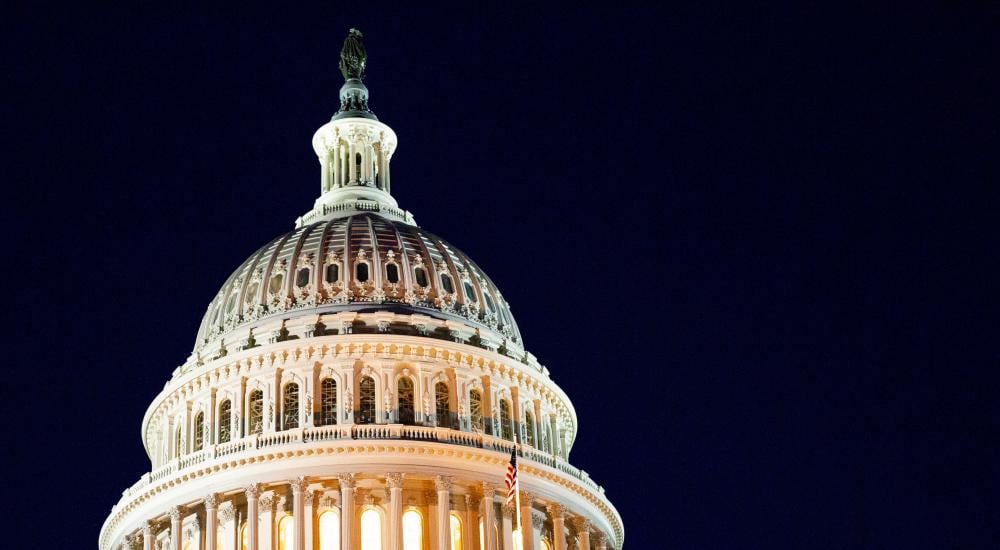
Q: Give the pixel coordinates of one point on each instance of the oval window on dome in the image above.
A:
(302, 277)
(276, 280)
(420, 274)
(446, 283)
(361, 272)
(251, 293)
(231, 304)
(332, 273)
(489, 301)
(392, 273)
(470, 292)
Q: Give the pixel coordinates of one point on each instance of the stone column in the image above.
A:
(395, 483)
(537, 521)
(582, 526)
(508, 528)
(471, 541)
(324, 170)
(230, 534)
(601, 541)
(299, 487)
(308, 511)
(488, 520)
(252, 493)
(443, 486)
(211, 521)
(147, 535)
(266, 520)
(527, 531)
(553, 436)
(558, 514)
(346, 510)
(176, 515)
(352, 173)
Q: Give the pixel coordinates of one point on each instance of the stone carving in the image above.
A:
(556, 510)
(211, 500)
(394, 480)
(252, 491)
(227, 512)
(443, 483)
(175, 513)
(266, 502)
(346, 481)
(299, 484)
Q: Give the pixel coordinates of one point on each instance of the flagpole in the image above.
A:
(517, 502)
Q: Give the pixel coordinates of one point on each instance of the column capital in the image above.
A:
(507, 509)
(556, 510)
(489, 491)
(443, 483)
(252, 491)
(430, 497)
(580, 523)
(394, 480)
(266, 501)
(347, 481)
(227, 511)
(211, 501)
(308, 498)
(147, 528)
(175, 512)
(599, 537)
(527, 498)
(298, 484)
(472, 500)
(537, 521)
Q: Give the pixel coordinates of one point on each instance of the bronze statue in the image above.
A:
(353, 56)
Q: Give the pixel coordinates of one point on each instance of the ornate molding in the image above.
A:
(347, 481)
(298, 484)
(211, 501)
(227, 511)
(580, 524)
(556, 510)
(443, 483)
(175, 513)
(489, 491)
(394, 480)
(252, 491)
(266, 502)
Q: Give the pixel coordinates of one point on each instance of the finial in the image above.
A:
(353, 94)
(353, 56)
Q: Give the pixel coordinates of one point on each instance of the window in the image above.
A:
(529, 428)
(446, 283)
(231, 304)
(470, 292)
(199, 431)
(506, 429)
(361, 271)
(243, 537)
(177, 443)
(290, 407)
(413, 530)
(476, 410)
(251, 293)
(392, 273)
(441, 402)
(366, 401)
(255, 414)
(276, 281)
(302, 277)
(489, 302)
(404, 394)
(328, 407)
(225, 420)
(286, 533)
(420, 274)
(456, 532)
(333, 273)
(371, 530)
(329, 530)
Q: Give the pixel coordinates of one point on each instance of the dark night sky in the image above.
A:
(758, 249)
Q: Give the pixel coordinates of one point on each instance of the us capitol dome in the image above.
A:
(359, 383)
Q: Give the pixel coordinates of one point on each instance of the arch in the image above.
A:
(329, 530)
(405, 400)
(290, 406)
(506, 428)
(455, 528)
(441, 401)
(362, 271)
(529, 428)
(177, 442)
(371, 530)
(199, 431)
(255, 412)
(328, 402)
(476, 410)
(286, 533)
(366, 400)
(225, 421)
(413, 530)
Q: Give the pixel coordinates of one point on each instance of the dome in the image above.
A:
(361, 263)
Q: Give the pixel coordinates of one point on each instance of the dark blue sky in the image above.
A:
(757, 248)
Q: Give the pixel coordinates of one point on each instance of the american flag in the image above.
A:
(511, 478)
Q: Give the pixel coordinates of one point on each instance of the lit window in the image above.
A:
(366, 401)
(290, 407)
(406, 402)
(371, 530)
(361, 272)
(413, 530)
(225, 419)
(328, 413)
(255, 404)
(506, 429)
(332, 273)
(286, 533)
(441, 402)
(251, 293)
(529, 428)
(470, 292)
(276, 283)
(199, 431)
(456, 532)
(243, 537)
(420, 274)
(302, 277)
(446, 283)
(329, 530)
(392, 273)
(476, 410)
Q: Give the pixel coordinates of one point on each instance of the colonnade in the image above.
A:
(224, 521)
(341, 166)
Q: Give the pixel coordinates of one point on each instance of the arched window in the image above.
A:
(366, 401)
(333, 273)
(446, 283)
(243, 537)
(329, 530)
(476, 410)
(286, 533)
(290, 407)
(413, 530)
(404, 394)
(328, 398)
(255, 414)
(506, 429)
(529, 428)
(392, 273)
(177, 442)
(441, 402)
(371, 530)
(489, 302)
(199, 431)
(225, 420)
(420, 274)
(456, 532)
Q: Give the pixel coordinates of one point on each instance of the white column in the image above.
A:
(443, 486)
(211, 521)
(252, 492)
(266, 520)
(527, 537)
(582, 526)
(488, 520)
(395, 483)
(537, 521)
(508, 528)
(601, 541)
(346, 510)
(147, 535)
(352, 172)
(385, 174)
(558, 514)
(470, 536)
(175, 527)
(324, 169)
(308, 507)
(227, 516)
(299, 487)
